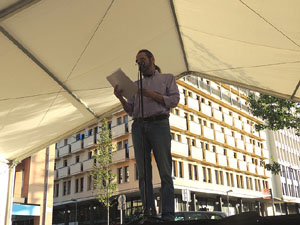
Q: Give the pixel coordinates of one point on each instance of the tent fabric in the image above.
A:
(55, 56)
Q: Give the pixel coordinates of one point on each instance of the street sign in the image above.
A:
(186, 195)
(122, 202)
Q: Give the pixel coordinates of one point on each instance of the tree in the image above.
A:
(277, 114)
(104, 181)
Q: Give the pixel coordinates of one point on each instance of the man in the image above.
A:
(160, 94)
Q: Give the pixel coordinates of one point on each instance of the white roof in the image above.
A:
(55, 56)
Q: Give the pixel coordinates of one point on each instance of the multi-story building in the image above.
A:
(33, 189)
(284, 148)
(216, 155)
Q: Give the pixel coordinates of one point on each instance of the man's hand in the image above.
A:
(152, 94)
(118, 92)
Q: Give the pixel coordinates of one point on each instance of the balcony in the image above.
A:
(88, 165)
(195, 127)
(249, 147)
(210, 157)
(55, 174)
(232, 163)
(222, 159)
(193, 103)
(242, 165)
(76, 168)
(265, 153)
(230, 140)
(63, 172)
(119, 155)
(182, 99)
(220, 137)
(238, 124)
(257, 150)
(63, 151)
(196, 153)
(218, 115)
(131, 152)
(256, 133)
(77, 146)
(240, 144)
(179, 148)
(178, 121)
(251, 168)
(247, 127)
(90, 141)
(228, 119)
(208, 132)
(206, 109)
(260, 170)
(120, 130)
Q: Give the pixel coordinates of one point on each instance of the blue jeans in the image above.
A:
(158, 139)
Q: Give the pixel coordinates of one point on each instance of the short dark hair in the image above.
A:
(149, 55)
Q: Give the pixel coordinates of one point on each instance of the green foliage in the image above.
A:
(274, 167)
(277, 113)
(104, 179)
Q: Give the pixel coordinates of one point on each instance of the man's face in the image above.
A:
(142, 57)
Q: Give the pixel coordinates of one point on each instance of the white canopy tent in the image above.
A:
(55, 56)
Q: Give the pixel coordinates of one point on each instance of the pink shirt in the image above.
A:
(163, 84)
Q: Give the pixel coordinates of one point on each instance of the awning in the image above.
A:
(55, 55)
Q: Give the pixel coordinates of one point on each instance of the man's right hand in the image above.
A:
(118, 92)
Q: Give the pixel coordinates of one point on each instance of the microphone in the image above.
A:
(141, 64)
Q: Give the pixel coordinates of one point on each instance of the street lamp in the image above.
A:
(75, 200)
(228, 200)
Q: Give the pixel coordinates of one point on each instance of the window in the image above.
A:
(56, 192)
(81, 184)
(90, 183)
(119, 120)
(204, 174)
(191, 118)
(231, 180)
(173, 136)
(217, 176)
(209, 175)
(181, 170)
(193, 142)
(64, 188)
(196, 172)
(77, 159)
(178, 137)
(234, 155)
(177, 112)
(69, 187)
(221, 178)
(126, 170)
(190, 172)
(90, 154)
(120, 177)
(174, 168)
(65, 141)
(126, 146)
(119, 145)
(228, 179)
(136, 172)
(76, 185)
(65, 162)
(125, 119)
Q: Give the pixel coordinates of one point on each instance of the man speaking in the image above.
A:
(160, 93)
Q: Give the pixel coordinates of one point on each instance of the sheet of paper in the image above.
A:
(124, 83)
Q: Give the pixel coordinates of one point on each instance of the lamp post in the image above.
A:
(228, 200)
(75, 200)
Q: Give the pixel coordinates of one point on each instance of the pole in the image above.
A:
(273, 206)
(228, 200)
(76, 214)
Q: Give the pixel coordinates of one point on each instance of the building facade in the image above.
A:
(216, 156)
(284, 148)
(33, 189)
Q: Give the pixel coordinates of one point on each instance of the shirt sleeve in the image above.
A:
(172, 96)
(130, 102)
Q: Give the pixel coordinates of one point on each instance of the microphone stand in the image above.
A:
(148, 214)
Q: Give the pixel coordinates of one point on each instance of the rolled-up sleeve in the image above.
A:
(172, 96)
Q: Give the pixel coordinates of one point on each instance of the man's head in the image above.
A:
(146, 61)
